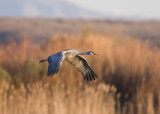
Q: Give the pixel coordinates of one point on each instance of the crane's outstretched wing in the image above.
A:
(81, 64)
(55, 62)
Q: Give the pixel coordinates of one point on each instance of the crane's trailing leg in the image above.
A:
(43, 60)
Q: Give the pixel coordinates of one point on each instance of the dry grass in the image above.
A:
(47, 99)
(132, 67)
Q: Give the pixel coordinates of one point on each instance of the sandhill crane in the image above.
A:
(73, 57)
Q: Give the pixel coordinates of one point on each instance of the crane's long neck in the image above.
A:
(88, 53)
(85, 53)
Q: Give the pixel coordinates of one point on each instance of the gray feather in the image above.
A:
(82, 65)
(55, 62)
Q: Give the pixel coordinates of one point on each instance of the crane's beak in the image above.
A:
(95, 54)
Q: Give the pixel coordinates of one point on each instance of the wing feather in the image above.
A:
(82, 65)
(55, 62)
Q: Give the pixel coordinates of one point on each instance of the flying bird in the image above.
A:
(74, 58)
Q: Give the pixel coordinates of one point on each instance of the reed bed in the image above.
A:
(127, 68)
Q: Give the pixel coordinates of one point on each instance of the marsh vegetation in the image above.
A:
(127, 68)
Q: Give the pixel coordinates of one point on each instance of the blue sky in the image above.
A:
(140, 8)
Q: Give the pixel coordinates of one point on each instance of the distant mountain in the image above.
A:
(45, 8)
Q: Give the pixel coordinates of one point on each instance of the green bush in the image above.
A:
(29, 72)
(4, 76)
